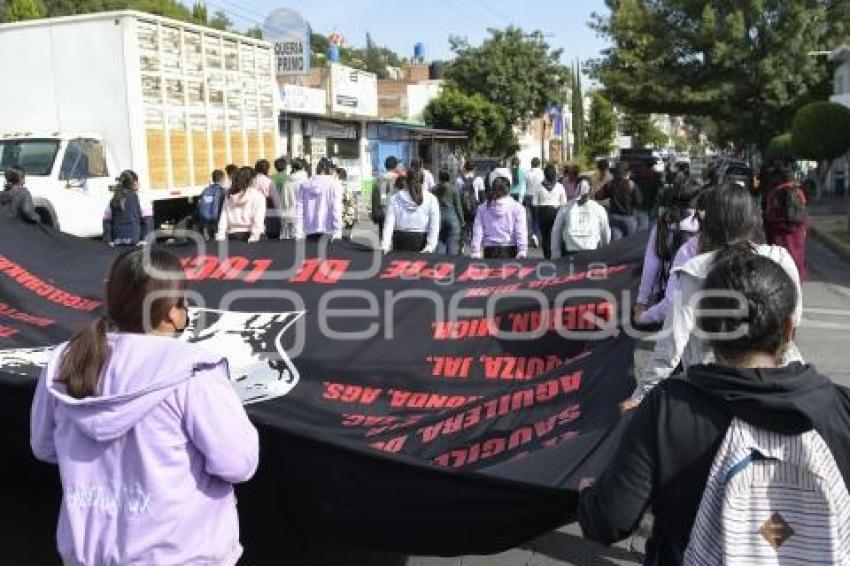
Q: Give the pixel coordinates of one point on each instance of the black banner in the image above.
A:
(410, 403)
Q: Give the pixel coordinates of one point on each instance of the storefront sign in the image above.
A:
(353, 92)
(326, 129)
(291, 36)
(303, 99)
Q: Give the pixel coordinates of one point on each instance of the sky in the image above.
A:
(400, 24)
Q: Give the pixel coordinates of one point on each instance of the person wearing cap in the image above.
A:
(581, 224)
(500, 230)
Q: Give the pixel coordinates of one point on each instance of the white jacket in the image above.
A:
(405, 215)
(677, 343)
(556, 197)
(580, 227)
(533, 180)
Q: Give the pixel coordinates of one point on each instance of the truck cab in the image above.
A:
(69, 176)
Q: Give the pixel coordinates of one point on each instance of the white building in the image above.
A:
(839, 171)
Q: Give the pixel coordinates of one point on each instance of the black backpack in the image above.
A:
(468, 199)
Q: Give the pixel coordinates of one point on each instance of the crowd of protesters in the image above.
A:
(724, 400)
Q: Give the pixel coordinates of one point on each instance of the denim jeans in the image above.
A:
(622, 226)
(449, 233)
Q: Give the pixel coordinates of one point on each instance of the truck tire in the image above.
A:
(46, 213)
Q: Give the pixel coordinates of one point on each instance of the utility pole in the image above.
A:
(543, 139)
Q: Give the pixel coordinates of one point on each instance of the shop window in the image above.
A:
(343, 149)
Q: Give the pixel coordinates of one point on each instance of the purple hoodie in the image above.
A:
(147, 466)
(649, 281)
(318, 207)
(501, 223)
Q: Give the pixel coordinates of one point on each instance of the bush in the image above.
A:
(780, 147)
(821, 131)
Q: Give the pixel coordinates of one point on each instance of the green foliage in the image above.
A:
(219, 20)
(681, 144)
(256, 32)
(25, 10)
(821, 131)
(601, 127)
(577, 109)
(199, 13)
(165, 8)
(780, 147)
(371, 58)
(512, 69)
(644, 132)
(744, 64)
(488, 127)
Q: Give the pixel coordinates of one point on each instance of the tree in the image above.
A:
(601, 127)
(821, 131)
(25, 10)
(780, 147)
(166, 8)
(219, 20)
(577, 109)
(374, 59)
(199, 13)
(512, 69)
(487, 125)
(256, 32)
(644, 132)
(744, 63)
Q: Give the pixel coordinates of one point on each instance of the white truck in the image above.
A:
(85, 97)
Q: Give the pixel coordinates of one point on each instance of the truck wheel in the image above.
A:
(47, 216)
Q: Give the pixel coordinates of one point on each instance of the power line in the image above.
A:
(230, 12)
(244, 9)
(498, 13)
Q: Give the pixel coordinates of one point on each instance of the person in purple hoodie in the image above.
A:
(318, 204)
(500, 230)
(147, 431)
(668, 247)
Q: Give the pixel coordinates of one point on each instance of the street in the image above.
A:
(823, 336)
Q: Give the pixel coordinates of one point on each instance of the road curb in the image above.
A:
(835, 244)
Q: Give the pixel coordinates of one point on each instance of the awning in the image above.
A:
(422, 132)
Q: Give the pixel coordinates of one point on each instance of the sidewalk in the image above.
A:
(829, 218)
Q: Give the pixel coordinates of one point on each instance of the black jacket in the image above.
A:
(625, 197)
(127, 223)
(449, 199)
(17, 203)
(666, 451)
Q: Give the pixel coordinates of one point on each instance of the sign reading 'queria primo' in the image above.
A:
(291, 36)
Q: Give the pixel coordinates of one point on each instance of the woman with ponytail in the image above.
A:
(412, 223)
(147, 431)
(128, 218)
(677, 224)
(731, 220)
